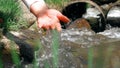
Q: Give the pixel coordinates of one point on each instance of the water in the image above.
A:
(76, 43)
(73, 48)
(76, 46)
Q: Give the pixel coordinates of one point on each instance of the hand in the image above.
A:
(51, 20)
(47, 18)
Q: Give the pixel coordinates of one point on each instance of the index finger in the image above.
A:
(63, 18)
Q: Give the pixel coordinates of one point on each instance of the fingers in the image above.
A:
(59, 15)
(58, 27)
(44, 22)
(49, 24)
(55, 25)
(63, 18)
(51, 20)
(52, 26)
(44, 26)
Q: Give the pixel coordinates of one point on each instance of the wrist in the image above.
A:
(28, 3)
(38, 8)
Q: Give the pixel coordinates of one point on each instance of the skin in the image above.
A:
(47, 18)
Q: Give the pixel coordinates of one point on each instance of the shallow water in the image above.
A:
(75, 48)
(77, 45)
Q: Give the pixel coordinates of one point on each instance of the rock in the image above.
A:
(27, 15)
(80, 23)
(93, 14)
(7, 46)
(23, 42)
(113, 16)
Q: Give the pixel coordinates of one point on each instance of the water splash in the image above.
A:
(111, 33)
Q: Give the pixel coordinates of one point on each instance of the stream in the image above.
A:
(77, 45)
(81, 47)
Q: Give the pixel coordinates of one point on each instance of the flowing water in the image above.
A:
(76, 46)
(79, 48)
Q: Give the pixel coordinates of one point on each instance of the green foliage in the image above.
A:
(55, 47)
(15, 56)
(90, 58)
(58, 3)
(1, 63)
(38, 48)
(10, 13)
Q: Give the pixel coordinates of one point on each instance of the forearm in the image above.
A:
(37, 7)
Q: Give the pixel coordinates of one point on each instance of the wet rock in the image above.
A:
(113, 16)
(27, 15)
(7, 46)
(79, 23)
(24, 42)
(93, 14)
